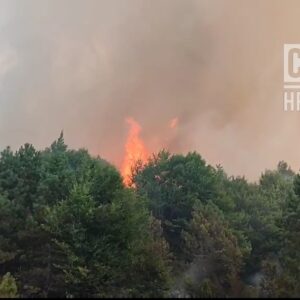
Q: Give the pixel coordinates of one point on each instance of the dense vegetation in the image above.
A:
(70, 228)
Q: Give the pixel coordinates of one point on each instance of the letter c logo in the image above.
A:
(294, 62)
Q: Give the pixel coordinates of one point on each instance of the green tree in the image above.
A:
(107, 248)
(173, 184)
(57, 176)
(287, 281)
(8, 287)
(20, 175)
(214, 255)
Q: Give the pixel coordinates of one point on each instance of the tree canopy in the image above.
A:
(70, 228)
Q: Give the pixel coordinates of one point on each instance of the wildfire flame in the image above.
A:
(135, 150)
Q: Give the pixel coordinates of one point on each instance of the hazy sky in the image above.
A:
(84, 66)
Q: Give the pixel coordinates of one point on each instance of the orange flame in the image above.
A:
(135, 150)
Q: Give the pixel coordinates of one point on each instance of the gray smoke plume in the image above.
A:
(84, 66)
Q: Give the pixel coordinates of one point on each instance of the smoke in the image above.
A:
(215, 66)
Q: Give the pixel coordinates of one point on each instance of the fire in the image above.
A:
(135, 150)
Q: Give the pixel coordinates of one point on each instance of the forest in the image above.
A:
(70, 228)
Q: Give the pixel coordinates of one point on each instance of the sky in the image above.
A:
(84, 66)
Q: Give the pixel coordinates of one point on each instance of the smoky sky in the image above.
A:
(83, 66)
